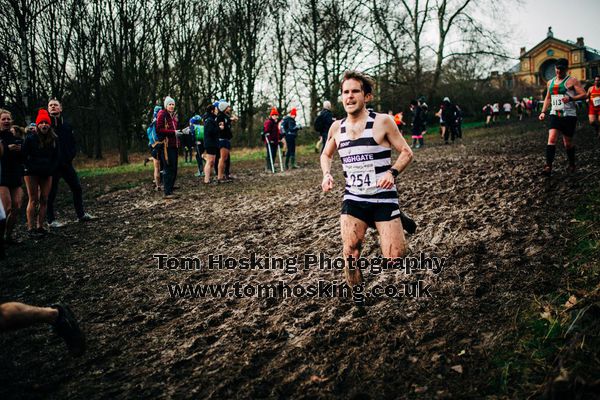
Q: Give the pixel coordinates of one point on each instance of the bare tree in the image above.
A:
(245, 22)
(127, 55)
(472, 36)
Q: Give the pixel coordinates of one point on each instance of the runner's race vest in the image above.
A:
(557, 92)
(364, 162)
(595, 97)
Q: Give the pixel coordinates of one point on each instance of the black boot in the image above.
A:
(571, 157)
(2, 233)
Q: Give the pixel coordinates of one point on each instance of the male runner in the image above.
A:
(562, 92)
(593, 94)
(364, 140)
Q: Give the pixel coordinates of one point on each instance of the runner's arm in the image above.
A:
(546, 103)
(327, 158)
(398, 142)
(579, 91)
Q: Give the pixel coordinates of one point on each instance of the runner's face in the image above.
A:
(597, 81)
(54, 107)
(5, 121)
(353, 96)
(560, 72)
(171, 107)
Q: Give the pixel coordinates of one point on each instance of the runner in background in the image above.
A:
(593, 95)
(561, 94)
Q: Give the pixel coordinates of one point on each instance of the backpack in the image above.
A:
(151, 133)
(199, 132)
(320, 122)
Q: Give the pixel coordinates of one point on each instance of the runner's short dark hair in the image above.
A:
(366, 82)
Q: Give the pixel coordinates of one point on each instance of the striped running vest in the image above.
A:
(595, 97)
(364, 163)
(557, 92)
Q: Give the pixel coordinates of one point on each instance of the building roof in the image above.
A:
(548, 39)
(591, 54)
(514, 69)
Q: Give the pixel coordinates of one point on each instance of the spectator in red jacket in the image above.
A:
(271, 137)
(166, 127)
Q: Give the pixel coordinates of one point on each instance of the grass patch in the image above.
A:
(559, 334)
(108, 166)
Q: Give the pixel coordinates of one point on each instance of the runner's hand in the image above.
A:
(387, 181)
(542, 116)
(327, 183)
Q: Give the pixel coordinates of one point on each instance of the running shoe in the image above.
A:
(547, 171)
(41, 232)
(87, 217)
(170, 196)
(67, 328)
(33, 234)
(55, 224)
(12, 241)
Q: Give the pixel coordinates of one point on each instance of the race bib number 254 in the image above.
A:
(362, 177)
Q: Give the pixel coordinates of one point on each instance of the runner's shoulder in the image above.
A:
(335, 126)
(384, 119)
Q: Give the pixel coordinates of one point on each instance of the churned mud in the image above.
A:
(481, 205)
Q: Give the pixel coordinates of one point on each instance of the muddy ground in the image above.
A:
(480, 204)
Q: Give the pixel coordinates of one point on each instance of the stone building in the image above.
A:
(536, 65)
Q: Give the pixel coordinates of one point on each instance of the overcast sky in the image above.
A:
(569, 20)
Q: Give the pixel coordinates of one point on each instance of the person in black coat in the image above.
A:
(211, 140)
(65, 169)
(11, 173)
(41, 155)
(323, 122)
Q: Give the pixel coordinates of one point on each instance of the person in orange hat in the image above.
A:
(40, 152)
(272, 137)
(290, 128)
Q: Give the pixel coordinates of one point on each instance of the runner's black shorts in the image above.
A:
(371, 212)
(225, 144)
(212, 151)
(566, 125)
(154, 151)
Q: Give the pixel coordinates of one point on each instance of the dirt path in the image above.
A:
(481, 205)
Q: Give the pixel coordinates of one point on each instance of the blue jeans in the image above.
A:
(323, 140)
(291, 149)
